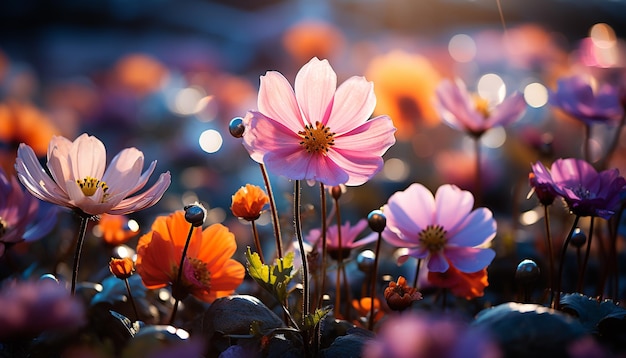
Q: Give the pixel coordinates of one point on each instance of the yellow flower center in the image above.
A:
(201, 273)
(433, 237)
(89, 185)
(482, 106)
(317, 139)
(4, 226)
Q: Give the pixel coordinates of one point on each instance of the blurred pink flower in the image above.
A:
(441, 228)
(79, 180)
(475, 115)
(18, 213)
(319, 132)
(579, 98)
(29, 308)
(349, 235)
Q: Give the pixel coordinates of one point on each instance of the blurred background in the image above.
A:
(167, 77)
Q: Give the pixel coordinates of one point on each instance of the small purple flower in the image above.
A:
(577, 97)
(541, 183)
(587, 192)
(475, 115)
(349, 235)
(18, 213)
(29, 308)
(443, 230)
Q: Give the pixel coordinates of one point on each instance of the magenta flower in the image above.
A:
(441, 228)
(475, 115)
(586, 192)
(349, 235)
(541, 184)
(17, 211)
(577, 97)
(318, 132)
(79, 180)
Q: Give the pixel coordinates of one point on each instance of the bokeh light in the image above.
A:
(462, 48)
(492, 88)
(210, 141)
(536, 95)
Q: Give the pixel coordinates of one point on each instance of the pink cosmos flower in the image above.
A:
(577, 97)
(17, 211)
(475, 115)
(318, 132)
(349, 235)
(586, 191)
(79, 180)
(441, 228)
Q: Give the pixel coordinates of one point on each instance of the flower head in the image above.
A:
(115, 229)
(79, 180)
(400, 296)
(122, 268)
(541, 184)
(349, 235)
(318, 132)
(586, 191)
(248, 202)
(443, 230)
(475, 115)
(209, 271)
(18, 212)
(461, 284)
(578, 97)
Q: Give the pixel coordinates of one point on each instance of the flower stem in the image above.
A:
(82, 230)
(257, 243)
(130, 298)
(586, 139)
(557, 299)
(546, 217)
(305, 264)
(478, 175)
(417, 273)
(176, 289)
(275, 219)
(373, 282)
(583, 268)
(339, 262)
(324, 244)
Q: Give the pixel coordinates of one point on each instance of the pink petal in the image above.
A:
(265, 135)
(358, 166)
(469, 259)
(145, 199)
(353, 105)
(452, 206)
(478, 228)
(373, 137)
(87, 157)
(457, 108)
(411, 210)
(507, 112)
(321, 168)
(124, 172)
(395, 238)
(277, 101)
(437, 262)
(315, 86)
(59, 162)
(35, 179)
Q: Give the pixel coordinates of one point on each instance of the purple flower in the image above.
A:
(349, 235)
(29, 308)
(577, 97)
(441, 228)
(586, 192)
(475, 115)
(541, 183)
(18, 211)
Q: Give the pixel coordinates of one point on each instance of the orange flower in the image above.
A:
(405, 88)
(248, 202)
(400, 296)
(461, 284)
(209, 271)
(363, 307)
(140, 73)
(122, 268)
(312, 38)
(115, 230)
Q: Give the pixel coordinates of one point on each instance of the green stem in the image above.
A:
(417, 273)
(305, 264)
(339, 262)
(176, 289)
(373, 283)
(478, 175)
(275, 219)
(82, 230)
(324, 244)
(583, 268)
(130, 298)
(557, 299)
(257, 243)
(546, 216)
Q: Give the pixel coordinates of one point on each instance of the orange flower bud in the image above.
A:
(122, 268)
(248, 202)
(400, 296)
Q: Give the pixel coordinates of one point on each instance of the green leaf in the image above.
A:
(311, 320)
(273, 278)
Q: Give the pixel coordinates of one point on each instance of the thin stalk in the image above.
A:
(546, 217)
(257, 242)
(82, 230)
(339, 262)
(373, 283)
(324, 244)
(275, 219)
(587, 138)
(583, 268)
(130, 298)
(478, 175)
(305, 264)
(417, 273)
(557, 299)
(176, 287)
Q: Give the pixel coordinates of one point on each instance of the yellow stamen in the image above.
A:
(90, 185)
(482, 106)
(433, 237)
(317, 139)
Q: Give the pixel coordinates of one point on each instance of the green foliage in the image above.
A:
(311, 320)
(273, 278)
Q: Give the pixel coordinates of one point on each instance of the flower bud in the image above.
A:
(122, 268)
(400, 296)
(236, 127)
(195, 214)
(377, 221)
